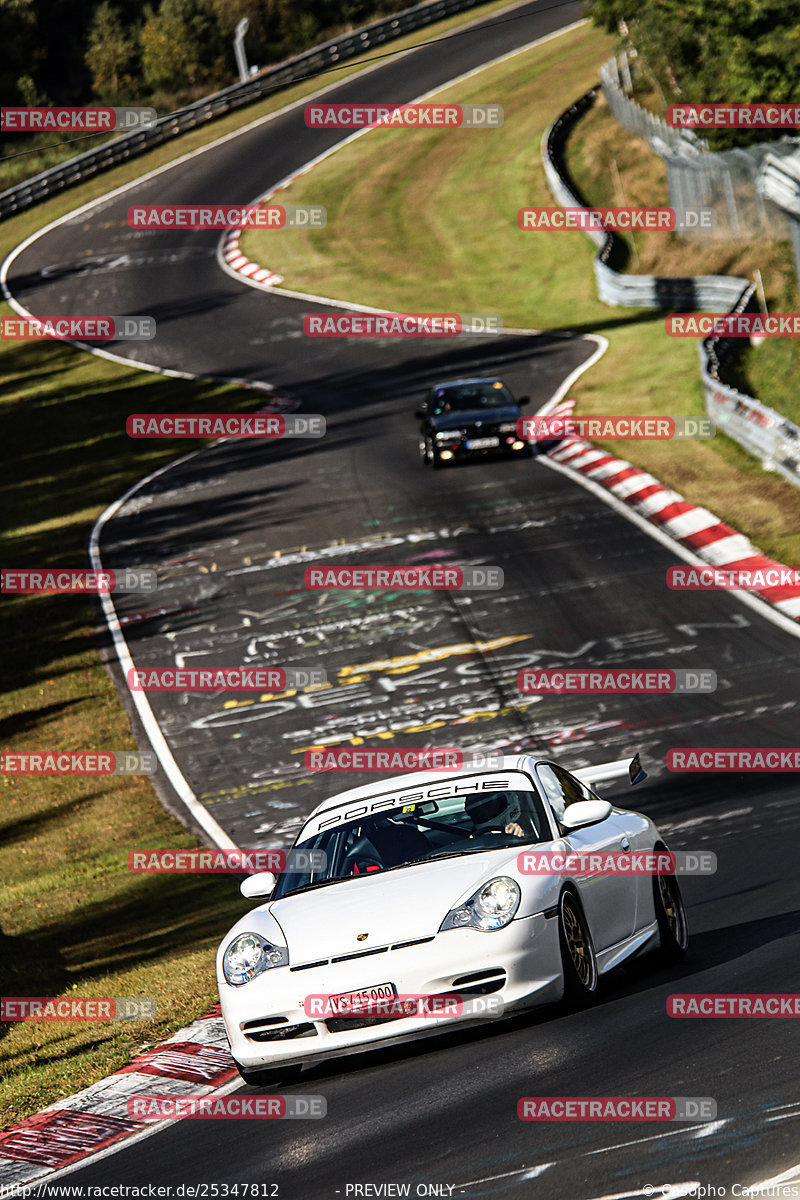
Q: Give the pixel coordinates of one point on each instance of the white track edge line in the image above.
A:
(140, 700)
(762, 607)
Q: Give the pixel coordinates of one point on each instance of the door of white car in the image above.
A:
(609, 901)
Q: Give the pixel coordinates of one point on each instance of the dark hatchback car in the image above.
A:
(470, 418)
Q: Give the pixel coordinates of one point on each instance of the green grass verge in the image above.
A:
(426, 221)
(770, 371)
(73, 920)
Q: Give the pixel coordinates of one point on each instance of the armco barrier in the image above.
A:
(676, 293)
(760, 430)
(304, 66)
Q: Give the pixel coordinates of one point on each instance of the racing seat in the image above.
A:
(362, 857)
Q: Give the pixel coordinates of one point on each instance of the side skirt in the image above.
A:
(614, 955)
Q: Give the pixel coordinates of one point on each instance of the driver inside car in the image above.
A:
(497, 813)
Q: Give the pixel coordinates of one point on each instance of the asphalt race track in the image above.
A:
(230, 532)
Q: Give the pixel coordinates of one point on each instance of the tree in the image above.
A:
(19, 41)
(111, 56)
(612, 15)
(714, 51)
(183, 45)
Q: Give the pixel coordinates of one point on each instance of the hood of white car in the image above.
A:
(389, 907)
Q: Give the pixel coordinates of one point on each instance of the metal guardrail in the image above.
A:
(762, 431)
(304, 66)
(677, 293)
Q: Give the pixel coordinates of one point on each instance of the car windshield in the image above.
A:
(490, 820)
(467, 397)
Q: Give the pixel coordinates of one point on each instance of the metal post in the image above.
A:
(238, 49)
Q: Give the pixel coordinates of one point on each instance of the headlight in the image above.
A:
(492, 907)
(508, 427)
(248, 955)
(449, 434)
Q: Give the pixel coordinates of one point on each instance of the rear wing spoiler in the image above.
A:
(606, 772)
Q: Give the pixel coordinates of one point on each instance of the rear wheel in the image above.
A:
(671, 916)
(578, 960)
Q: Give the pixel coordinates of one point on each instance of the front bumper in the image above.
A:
(520, 965)
(460, 451)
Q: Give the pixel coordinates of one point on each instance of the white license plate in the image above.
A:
(482, 443)
(348, 1003)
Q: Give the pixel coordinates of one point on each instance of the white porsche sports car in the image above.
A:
(421, 894)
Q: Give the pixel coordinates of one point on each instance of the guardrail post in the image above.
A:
(238, 49)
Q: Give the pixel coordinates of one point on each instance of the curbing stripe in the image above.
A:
(603, 468)
(691, 520)
(699, 530)
(655, 502)
(193, 1061)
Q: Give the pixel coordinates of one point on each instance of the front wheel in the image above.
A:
(673, 927)
(578, 961)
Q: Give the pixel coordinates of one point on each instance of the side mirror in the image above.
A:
(523, 400)
(585, 812)
(421, 413)
(262, 884)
